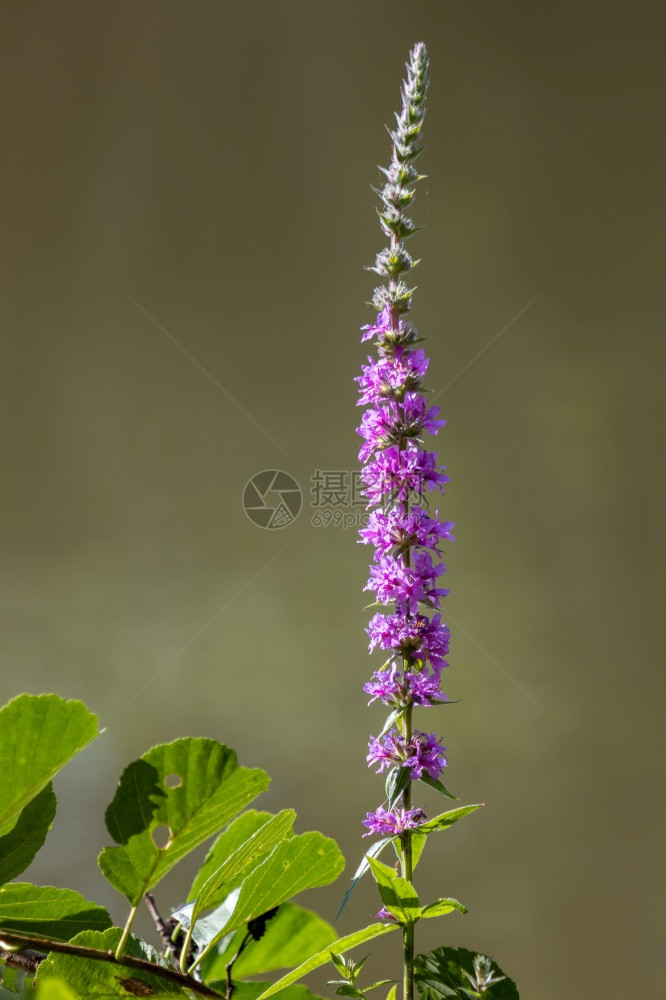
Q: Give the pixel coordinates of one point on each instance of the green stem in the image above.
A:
(126, 932)
(407, 872)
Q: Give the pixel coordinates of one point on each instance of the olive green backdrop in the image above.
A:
(186, 210)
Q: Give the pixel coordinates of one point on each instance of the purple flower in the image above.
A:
(379, 328)
(397, 474)
(389, 823)
(401, 530)
(385, 914)
(421, 752)
(401, 689)
(390, 580)
(392, 376)
(416, 637)
(396, 423)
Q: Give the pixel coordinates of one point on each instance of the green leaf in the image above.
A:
(19, 847)
(194, 787)
(296, 864)
(89, 978)
(374, 852)
(392, 993)
(447, 819)
(236, 834)
(396, 781)
(398, 895)
(39, 734)
(291, 936)
(418, 843)
(48, 912)
(451, 973)
(250, 991)
(438, 786)
(340, 946)
(442, 907)
(251, 853)
(56, 989)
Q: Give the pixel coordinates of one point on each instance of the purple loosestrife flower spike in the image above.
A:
(399, 476)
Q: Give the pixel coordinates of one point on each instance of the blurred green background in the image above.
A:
(198, 174)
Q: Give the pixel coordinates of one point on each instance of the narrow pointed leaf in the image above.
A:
(250, 991)
(374, 852)
(418, 843)
(19, 847)
(46, 911)
(447, 819)
(340, 946)
(39, 734)
(438, 786)
(396, 781)
(88, 978)
(442, 907)
(193, 787)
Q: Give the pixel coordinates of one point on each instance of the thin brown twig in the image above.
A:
(162, 928)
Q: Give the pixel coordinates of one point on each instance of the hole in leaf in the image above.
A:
(173, 781)
(161, 837)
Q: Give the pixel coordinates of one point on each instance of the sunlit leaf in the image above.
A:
(339, 947)
(247, 855)
(48, 912)
(299, 863)
(447, 819)
(250, 991)
(236, 834)
(442, 907)
(19, 847)
(192, 788)
(438, 786)
(38, 735)
(291, 936)
(397, 894)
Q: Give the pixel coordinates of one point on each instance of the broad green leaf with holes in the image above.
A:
(338, 947)
(291, 936)
(90, 978)
(39, 734)
(168, 802)
(19, 847)
(298, 863)
(46, 911)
